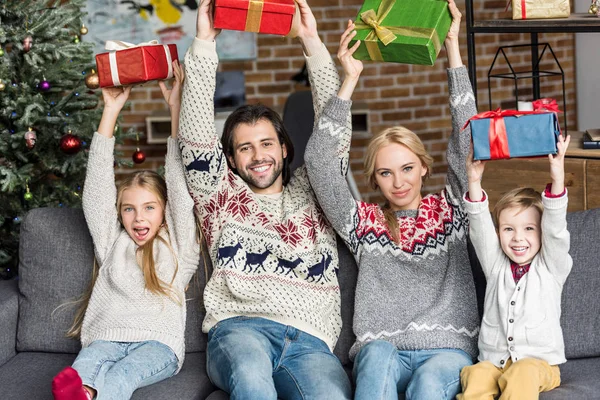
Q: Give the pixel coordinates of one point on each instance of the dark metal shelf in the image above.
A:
(579, 22)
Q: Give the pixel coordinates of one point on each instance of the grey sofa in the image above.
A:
(55, 264)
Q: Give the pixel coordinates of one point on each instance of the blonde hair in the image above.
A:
(407, 138)
(521, 198)
(154, 183)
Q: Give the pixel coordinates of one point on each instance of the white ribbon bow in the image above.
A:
(115, 45)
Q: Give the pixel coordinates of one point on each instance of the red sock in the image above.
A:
(67, 385)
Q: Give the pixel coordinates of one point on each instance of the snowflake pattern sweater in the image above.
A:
(420, 293)
(274, 257)
(121, 309)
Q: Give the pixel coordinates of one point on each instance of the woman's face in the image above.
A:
(399, 175)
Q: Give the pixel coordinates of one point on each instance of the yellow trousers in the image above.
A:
(522, 380)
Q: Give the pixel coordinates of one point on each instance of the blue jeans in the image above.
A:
(381, 371)
(255, 358)
(117, 369)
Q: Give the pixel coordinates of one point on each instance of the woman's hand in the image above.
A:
(173, 96)
(205, 29)
(451, 42)
(352, 67)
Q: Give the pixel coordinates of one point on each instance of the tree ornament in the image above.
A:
(138, 157)
(44, 85)
(28, 195)
(27, 43)
(70, 144)
(30, 138)
(92, 81)
(76, 39)
(1, 51)
(2, 86)
(83, 30)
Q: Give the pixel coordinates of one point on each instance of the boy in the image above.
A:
(526, 265)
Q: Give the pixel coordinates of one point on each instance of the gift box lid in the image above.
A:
(270, 6)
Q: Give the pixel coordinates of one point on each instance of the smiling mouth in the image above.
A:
(400, 194)
(519, 250)
(260, 169)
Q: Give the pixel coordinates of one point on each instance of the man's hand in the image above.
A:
(204, 22)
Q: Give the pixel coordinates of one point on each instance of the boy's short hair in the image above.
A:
(522, 198)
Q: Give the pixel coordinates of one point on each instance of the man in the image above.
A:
(273, 300)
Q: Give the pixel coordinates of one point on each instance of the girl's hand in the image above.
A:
(352, 67)
(173, 96)
(557, 165)
(475, 168)
(115, 97)
(455, 26)
(205, 29)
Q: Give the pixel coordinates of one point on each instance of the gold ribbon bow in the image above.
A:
(255, 10)
(387, 34)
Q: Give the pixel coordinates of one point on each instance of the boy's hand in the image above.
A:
(557, 165)
(204, 22)
(475, 168)
(352, 67)
(173, 96)
(305, 28)
(451, 42)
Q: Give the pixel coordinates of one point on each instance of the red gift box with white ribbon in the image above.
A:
(129, 64)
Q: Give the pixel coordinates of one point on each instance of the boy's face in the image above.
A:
(520, 233)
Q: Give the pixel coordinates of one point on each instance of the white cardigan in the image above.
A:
(522, 319)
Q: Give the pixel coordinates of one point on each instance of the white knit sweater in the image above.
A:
(522, 320)
(121, 309)
(274, 258)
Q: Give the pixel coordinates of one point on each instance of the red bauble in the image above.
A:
(138, 157)
(70, 144)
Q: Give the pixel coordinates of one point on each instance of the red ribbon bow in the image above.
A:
(497, 132)
(546, 104)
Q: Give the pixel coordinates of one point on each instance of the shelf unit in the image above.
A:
(575, 23)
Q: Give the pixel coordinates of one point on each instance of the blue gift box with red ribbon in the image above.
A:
(503, 134)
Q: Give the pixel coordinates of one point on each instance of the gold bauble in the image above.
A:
(92, 81)
(2, 86)
(594, 9)
(83, 30)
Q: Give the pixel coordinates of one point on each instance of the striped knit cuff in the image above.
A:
(555, 203)
(476, 207)
(102, 145)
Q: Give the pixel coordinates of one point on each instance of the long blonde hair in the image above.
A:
(154, 183)
(407, 138)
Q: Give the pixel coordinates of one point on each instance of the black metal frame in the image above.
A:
(577, 22)
(535, 73)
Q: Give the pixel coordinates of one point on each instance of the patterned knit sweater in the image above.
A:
(273, 256)
(419, 294)
(121, 309)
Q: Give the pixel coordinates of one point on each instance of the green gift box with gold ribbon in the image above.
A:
(402, 31)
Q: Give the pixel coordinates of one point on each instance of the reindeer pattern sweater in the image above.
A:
(418, 294)
(121, 309)
(273, 257)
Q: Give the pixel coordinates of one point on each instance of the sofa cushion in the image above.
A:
(29, 376)
(580, 319)
(55, 265)
(580, 380)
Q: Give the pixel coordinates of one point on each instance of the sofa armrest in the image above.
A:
(9, 313)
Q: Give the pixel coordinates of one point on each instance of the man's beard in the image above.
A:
(265, 183)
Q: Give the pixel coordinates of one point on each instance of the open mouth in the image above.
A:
(141, 233)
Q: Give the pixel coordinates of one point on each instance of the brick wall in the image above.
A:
(409, 95)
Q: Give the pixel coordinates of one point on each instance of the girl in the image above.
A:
(132, 334)
(415, 310)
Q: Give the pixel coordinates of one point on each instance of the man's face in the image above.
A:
(258, 156)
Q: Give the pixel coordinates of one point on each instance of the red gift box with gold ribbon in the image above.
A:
(503, 134)
(130, 64)
(263, 16)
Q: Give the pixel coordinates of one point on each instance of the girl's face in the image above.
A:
(142, 214)
(399, 175)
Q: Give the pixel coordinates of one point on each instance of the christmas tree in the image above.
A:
(47, 113)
